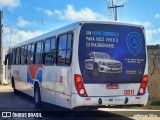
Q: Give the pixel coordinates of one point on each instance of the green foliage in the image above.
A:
(155, 103)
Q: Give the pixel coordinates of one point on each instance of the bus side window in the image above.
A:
(53, 50)
(18, 51)
(47, 59)
(38, 53)
(23, 55)
(49, 52)
(19, 55)
(10, 57)
(14, 56)
(61, 53)
(32, 53)
(69, 49)
(29, 54)
(64, 49)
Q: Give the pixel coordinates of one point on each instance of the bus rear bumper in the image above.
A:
(110, 100)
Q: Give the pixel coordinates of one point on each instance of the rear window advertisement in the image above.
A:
(111, 53)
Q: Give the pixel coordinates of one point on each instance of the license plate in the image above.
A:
(113, 86)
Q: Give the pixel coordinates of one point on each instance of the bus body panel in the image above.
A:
(63, 100)
(15, 72)
(23, 85)
(48, 95)
(63, 80)
(19, 74)
(112, 90)
(22, 73)
(49, 82)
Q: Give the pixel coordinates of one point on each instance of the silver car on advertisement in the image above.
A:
(99, 62)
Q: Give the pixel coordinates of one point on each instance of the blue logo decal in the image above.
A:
(134, 43)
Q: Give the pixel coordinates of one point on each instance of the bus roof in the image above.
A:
(67, 28)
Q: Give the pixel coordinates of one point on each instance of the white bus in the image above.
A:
(83, 64)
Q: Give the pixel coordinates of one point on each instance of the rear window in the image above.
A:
(119, 54)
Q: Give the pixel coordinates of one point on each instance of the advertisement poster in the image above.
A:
(110, 53)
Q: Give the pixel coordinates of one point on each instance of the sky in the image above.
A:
(25, 19)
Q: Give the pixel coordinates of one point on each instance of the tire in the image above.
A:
(95, 70)
(37, 96)
(13, 86)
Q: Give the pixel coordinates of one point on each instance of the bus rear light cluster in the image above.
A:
(79, 85)
(143, 85)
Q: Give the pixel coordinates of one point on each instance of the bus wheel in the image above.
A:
(13, 86)
(95, 70)
(37, 96)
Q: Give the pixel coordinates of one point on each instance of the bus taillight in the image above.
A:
(80, 85)
(143, 85)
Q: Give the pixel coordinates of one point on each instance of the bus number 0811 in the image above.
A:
(128, 92)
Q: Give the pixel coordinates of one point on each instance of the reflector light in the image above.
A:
(141, 90)
(81, 91)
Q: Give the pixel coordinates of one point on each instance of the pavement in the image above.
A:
(5, 88)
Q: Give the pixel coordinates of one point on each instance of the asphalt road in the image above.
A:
(21, 104)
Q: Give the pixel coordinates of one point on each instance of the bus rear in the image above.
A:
(110, 65)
